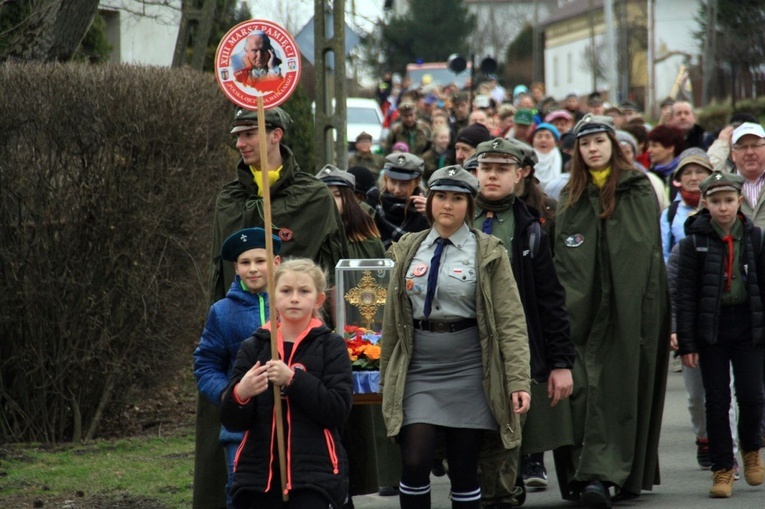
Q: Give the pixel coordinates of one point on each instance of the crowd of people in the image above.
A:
(549, 261)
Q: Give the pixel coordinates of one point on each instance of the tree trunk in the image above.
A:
(54, 30)
(733, 85)
(710, 50)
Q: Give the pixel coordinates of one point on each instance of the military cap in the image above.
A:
(363, 136)
(524, 116)
(459, 97)
(529, 156)
(244, 119)
(403, 166)
(244, 240)
(591, 124)
(499, 150)
(453, 178)
(471, 163)
(719, 181)
(629, 106)
(406, 107)
(334, 176)
(693, 155)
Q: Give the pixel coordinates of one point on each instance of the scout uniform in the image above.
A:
(369, 160)
(449, 358)
(397, 216)
(305, 218)
(417, 137)
(719, 309)
(543, 300)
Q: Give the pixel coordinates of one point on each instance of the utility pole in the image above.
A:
(593, 55)
(650, 93)
(329, 55)
(535, 46)
(710, 50)
(611, 74)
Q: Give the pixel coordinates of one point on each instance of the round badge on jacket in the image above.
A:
(575, 240)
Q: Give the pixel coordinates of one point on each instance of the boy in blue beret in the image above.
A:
(232, 320)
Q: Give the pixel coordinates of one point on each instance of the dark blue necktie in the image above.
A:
(487, 223)
(435, 262)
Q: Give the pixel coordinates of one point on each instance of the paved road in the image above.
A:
(684, 484)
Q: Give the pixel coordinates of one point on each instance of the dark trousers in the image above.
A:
(734, 347)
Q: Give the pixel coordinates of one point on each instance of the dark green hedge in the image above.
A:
(108, 178)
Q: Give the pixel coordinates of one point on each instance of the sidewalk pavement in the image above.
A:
(683, 483)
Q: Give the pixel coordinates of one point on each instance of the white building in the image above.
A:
(578, 25)
(141, 33)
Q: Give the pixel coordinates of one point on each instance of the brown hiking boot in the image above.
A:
(753, 469)
(722, 486)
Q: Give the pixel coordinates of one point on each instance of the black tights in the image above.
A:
(418, 447)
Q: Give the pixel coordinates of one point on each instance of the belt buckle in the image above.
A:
(439, 327)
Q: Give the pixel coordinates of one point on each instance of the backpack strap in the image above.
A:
(671, 213)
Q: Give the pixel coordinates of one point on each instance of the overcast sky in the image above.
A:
(294, 14)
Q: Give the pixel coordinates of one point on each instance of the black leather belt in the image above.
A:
(443, 326)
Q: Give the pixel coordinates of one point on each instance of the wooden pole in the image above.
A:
(262, 141)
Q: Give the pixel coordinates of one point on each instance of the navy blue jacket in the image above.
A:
(229, 322)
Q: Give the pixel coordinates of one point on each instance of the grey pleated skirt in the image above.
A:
(444, 381)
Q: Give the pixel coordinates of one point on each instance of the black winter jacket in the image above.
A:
(701, 280)
(542, 295)
(315, 405)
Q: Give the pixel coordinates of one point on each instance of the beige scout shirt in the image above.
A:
(457, 277)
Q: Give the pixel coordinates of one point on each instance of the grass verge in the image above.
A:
(150, 472)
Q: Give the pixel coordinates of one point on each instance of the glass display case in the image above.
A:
(361, 289)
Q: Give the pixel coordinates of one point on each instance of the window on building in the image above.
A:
(569, 65)
(555, 71)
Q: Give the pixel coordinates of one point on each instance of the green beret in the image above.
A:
(453, 178)
(244, 240)
(719, 181)
(244, 119)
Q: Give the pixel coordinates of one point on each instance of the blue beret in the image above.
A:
(244, 240)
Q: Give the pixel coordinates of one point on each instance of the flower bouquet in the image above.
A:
(363, 348)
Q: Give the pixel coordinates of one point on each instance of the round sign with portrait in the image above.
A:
(257, 58)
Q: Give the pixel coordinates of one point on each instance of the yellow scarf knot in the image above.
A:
(599, 177)
(273, 176)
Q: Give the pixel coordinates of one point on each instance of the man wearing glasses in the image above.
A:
(748, 155)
